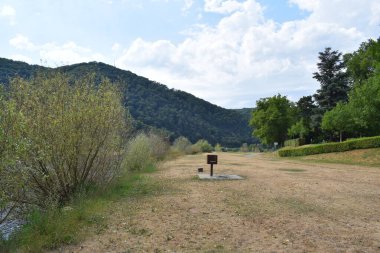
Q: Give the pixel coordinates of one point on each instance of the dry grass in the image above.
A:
(366, 157)
(281, 206)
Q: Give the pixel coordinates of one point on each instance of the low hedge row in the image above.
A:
(360, 143)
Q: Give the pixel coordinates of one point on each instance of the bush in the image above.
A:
(218, 148)
(73, 130)
(182, 145)
(158, 145)
(295, 142)
(139, 154)
(201, 146)
(360, 143)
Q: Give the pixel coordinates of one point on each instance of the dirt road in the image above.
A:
(280, 206)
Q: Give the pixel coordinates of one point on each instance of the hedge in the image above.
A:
(295, 142)
(360, 143)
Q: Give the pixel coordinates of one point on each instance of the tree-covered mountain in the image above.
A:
(154, 104)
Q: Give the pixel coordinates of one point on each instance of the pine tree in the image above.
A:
(333, 80)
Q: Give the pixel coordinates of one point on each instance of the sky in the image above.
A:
(228, 52)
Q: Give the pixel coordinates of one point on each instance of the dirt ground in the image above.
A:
(280, 206)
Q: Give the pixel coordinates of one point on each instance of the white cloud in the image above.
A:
(68, 53)
(308, 5)
(20, 57)
(222, 6)
(375, 14)
(187, 5)
(21, 42)
(116, 47)
(54, 54)
(246, 56)
(8, 12)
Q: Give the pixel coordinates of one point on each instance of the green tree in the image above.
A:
(306, 107)
(299, 129)
(363, 63)
(339, 120)
(364, 101)
(272, 118)
(333, 80)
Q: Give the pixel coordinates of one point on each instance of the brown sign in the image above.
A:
(212, 159)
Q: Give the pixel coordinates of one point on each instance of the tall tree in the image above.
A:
(333, 79)
(362, 63)
(272, 118)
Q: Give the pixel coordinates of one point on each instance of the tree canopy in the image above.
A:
(333, 79)
(272, 118)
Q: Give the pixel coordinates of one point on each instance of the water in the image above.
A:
(8, 227)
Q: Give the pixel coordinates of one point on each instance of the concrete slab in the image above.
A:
(204, 176)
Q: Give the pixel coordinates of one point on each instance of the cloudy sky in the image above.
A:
(229, 52)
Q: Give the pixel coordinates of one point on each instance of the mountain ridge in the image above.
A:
(154, 104)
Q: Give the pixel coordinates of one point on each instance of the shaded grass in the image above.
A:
(85, 214)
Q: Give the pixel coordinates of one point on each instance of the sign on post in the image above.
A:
(212, 159)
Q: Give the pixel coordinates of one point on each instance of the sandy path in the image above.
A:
(281, 206)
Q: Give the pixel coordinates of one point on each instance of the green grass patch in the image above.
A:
(87, 213)
(360, 143)
(364, 157)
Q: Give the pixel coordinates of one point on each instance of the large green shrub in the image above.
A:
(201, 146)
(73, 130)
(144, 150)
(139, 153)
(182, 145)
(360, 143)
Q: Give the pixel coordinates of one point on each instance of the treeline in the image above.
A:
(154, 105)
(346, 105)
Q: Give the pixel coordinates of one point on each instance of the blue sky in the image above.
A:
(229, 52)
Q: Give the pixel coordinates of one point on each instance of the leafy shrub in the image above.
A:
(182, 145)
(201, 146)
(360, 143)
(295, 142)
(218, 148)
(158, 145)
(73, 130)
(139, 154)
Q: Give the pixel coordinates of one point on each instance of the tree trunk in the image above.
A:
(340, 136)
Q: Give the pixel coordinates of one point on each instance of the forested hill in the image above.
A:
(156, 105)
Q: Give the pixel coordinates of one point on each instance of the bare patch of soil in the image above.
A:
(280, 206)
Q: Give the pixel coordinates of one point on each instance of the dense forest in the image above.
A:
(152, 104)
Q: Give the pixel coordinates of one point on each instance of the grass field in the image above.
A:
(366, 157)
(280, 206)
